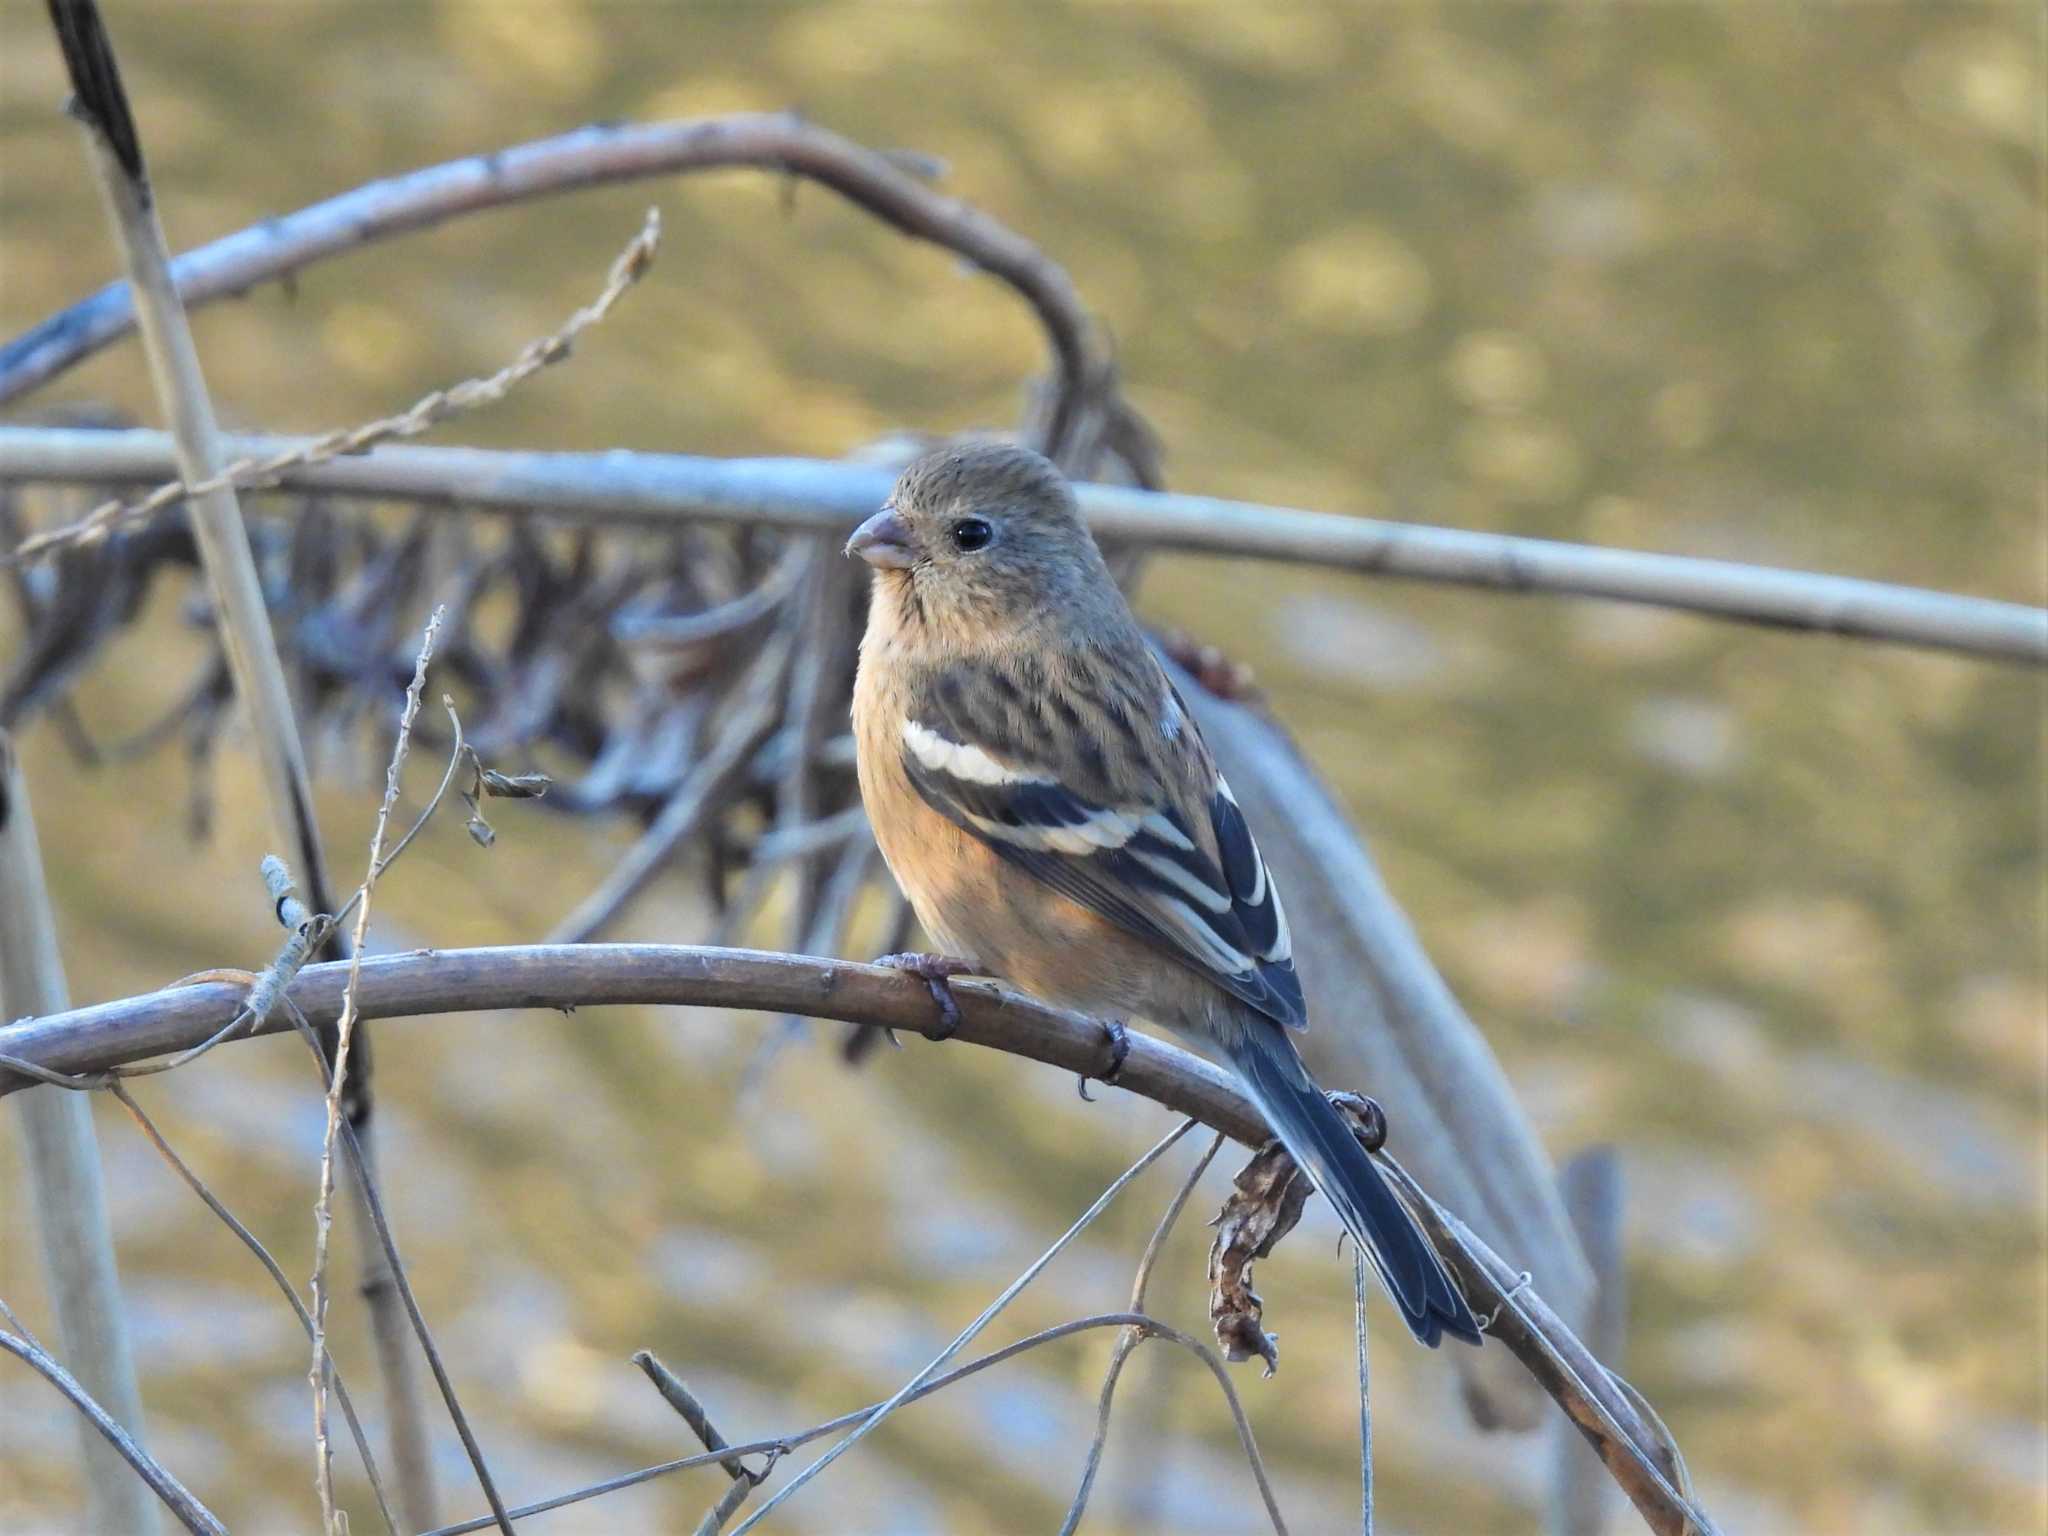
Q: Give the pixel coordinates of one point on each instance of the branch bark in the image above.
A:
(598, 155)
(658, 490)
(88, 1040)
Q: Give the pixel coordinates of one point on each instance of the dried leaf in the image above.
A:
(514, 786)
(1266, 1201)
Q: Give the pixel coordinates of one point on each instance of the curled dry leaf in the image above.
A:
(1266, 1201)
(514, 786)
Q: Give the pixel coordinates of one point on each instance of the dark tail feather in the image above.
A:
(1323, 1145)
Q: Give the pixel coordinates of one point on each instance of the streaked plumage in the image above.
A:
(1048, 806)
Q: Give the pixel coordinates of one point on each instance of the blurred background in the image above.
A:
(1766, 911)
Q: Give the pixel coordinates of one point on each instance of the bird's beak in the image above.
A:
(884, 542)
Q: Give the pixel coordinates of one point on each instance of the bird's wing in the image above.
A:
(1143, 860)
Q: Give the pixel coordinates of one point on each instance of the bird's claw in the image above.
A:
(1119, 1051)
(1367, 1120)
(937, 973)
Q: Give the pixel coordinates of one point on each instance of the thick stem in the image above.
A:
(62, 1167)
(241, 613)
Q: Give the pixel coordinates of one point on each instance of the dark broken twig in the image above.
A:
(677, 1394)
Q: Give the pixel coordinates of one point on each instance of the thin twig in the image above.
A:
(195, 1516)
(782, 1445)
(277, 1275)
(659, 490)
(677, 1394)
(380, 1226)
(259, 472)
(967, 1334)
(1127, 1343)
(323, 1207)
(1358, 1292)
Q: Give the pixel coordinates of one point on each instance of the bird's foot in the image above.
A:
(1119, 1049)
(937, 973)
(1367, 1120)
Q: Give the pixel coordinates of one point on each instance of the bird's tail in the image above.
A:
(1320, 1141)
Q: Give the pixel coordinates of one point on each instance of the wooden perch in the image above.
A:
(88, 1040)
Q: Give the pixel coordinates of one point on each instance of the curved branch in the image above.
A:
(598, 155)
(656, 490)
(570, 976)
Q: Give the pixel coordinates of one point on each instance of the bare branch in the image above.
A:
(1127, 1343)
(429, 410)
(61, 1167)
(191, 1513)
(966, 1335)
(593, 156)
(659, 490)
(786, 1443)
(583, 976)
(242, 615)
(249, 1240)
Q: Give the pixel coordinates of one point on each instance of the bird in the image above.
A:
(1045, 800)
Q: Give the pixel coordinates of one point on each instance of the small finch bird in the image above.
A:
(1044, 799)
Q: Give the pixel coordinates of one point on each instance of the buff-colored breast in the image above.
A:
(973, 905)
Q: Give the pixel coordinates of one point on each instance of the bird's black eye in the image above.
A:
(970, 534)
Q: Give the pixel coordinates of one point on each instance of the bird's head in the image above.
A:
(978, 538)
